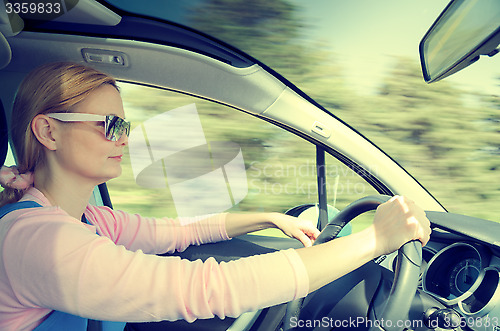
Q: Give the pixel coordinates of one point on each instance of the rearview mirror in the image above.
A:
(464, 31)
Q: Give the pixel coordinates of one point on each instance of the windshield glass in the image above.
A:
(360, 61)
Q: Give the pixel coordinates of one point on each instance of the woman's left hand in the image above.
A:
(300, 229)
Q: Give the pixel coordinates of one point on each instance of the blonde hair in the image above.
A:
(50, 88)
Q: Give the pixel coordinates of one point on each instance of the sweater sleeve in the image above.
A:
(156, 235)
(58, 264)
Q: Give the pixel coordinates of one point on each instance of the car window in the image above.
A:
(189, 156)
(344, 186)
(9, 158)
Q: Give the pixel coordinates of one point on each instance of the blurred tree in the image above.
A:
(255, 26)
(272, 32)
(439, 133)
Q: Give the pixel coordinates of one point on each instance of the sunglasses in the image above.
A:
(114, 126)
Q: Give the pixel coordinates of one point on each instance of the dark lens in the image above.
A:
(116, 126)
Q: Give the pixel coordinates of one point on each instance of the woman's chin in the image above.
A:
(112, 173)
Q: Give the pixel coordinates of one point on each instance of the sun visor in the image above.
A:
(10, 24)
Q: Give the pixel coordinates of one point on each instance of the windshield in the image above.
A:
(359, 59)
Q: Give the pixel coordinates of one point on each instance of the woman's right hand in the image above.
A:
(398, 221)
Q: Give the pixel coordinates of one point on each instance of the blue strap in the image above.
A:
(17, 205)
(60, 321)
(57, 320)
(113, 326)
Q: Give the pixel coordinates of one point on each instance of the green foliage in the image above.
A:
(447, 143)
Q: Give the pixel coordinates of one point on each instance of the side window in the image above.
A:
(9, 160)
(345, 186)
(189, 156)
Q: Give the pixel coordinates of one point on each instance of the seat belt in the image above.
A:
(57, 320)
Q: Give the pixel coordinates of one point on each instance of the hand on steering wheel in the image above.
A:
(409, 257)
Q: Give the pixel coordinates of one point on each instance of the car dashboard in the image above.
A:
(460, 273)
(466, 275)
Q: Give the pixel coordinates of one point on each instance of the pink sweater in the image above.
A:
(52, 261)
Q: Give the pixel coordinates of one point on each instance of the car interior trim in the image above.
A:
(90, 12)
(322, 189)
(433, 279)
(485, 298)
(5, 52)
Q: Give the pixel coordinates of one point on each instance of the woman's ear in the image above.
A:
(43, 129)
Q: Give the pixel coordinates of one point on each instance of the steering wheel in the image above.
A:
(406, 275)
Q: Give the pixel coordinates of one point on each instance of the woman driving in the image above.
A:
(65, 261)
